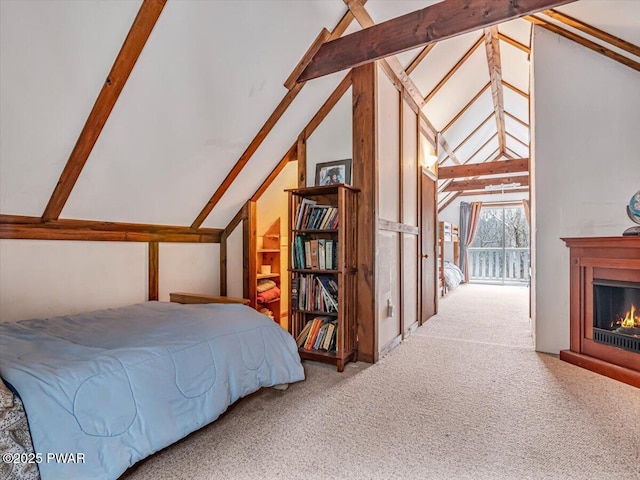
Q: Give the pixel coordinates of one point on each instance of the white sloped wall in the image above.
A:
(586, 165)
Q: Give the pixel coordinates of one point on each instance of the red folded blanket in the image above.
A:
(268, 295)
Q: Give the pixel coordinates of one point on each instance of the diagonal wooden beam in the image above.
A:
(391, 65)
(316, 120)
(454, 69)
(515, 89)
(322, 37)
(594, 32)
(137, 37)
(416, 61)
(342, 25)
(473, 132)
(436, 22)
(484, 169)
(514, 43)
(518, 140)
(492, 46)
(607, 52)
(466, 107)
(516, 119)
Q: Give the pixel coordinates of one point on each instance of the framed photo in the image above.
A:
(331, 173)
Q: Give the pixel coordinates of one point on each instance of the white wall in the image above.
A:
(42, 278)
(586, 165)
(332, 139)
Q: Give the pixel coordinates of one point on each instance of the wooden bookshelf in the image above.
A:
(269, 255)
(338, 242)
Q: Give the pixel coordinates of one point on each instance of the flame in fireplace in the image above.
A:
(630, 320)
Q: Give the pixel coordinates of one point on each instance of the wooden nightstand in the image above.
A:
(199, 298)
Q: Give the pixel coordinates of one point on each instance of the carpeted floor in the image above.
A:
(465, 397)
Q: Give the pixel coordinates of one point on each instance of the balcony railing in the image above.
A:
(499, 265)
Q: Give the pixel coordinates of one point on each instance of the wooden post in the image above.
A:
(154, 264)
(249, 252)
(365, 177)
(223, 265)
(302, 161)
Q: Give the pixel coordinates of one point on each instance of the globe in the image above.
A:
(633, 210)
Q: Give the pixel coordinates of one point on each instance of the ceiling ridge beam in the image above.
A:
(514, 43)
(492, 46)
(454, 69)
(607, 52)
(431, 24)
(515, 89)
(421, 56)
(128, 55)
(270, 123)
(466, 107)
(594, 32)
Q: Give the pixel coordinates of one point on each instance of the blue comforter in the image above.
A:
(117, 385)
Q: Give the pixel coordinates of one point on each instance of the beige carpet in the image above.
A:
(465, 397)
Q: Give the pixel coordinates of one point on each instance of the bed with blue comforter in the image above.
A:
(120, 384)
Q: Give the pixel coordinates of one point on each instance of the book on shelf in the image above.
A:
(320, 333)
(316, 293)
(311, 216)
(308, 253)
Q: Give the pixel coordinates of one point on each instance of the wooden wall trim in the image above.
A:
(125, 61)
(154, 267)
(365, 177)
(391, 226)
(23, 227)
(428, 25)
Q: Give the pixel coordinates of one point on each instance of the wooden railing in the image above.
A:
(500, 265)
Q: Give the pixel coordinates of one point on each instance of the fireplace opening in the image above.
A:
(616, 314)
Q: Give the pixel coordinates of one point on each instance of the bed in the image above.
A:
(117, 385)
(448, 233)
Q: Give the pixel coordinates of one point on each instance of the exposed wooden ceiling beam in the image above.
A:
(22, 227)
(594, 32)
(516, 119)
(515, 89)
(466, 107)
(511, 154)
(473, 132)
(473, 193)
(514, 43)
(436, 22)
(322, 37)
(316, 120)
(416, 61)
(141, 28)
(492, 46)
(453, 70)
(490, 156)
(478, 184)
(391, 65)
(271, 122)
(518, 140)
(484, 169)
(607, 52)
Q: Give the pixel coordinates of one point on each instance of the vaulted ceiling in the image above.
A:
(210, 76)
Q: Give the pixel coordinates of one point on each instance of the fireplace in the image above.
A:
(605, 306)
(615, 319)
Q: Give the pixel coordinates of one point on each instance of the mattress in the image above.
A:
(117, 385)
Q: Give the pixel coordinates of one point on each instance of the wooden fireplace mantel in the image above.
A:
(611, 258)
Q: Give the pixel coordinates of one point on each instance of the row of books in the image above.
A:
(315, 293)
(319, 334)
(311, 216)
(314, 253)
